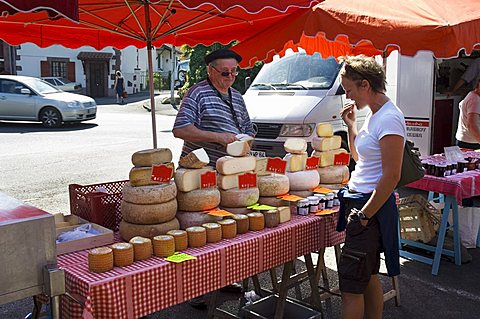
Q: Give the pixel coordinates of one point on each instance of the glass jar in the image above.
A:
(329, 202)
(303, 207)
(461, 166)
(321, 201)
(336, 201)
(440, 170)
(313, 202)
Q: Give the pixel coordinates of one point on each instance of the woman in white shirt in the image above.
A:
(368, 200)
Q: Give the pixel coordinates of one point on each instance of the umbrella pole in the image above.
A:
(152, 93)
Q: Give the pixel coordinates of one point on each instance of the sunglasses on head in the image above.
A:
(226, 73)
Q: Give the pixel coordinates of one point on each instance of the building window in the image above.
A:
(58, 68)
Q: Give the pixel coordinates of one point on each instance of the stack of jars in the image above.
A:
(438, 166)
(317, 202)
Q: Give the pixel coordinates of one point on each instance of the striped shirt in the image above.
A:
(204, 108)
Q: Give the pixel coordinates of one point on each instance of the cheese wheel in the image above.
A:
(189, 219)
(128, 230)
(227, 182)
(324, 129)
(256, 221)
(142, 247)
(198, 200)
(163, 245)
(236, 197)
(180, 237)
(100, 259)
(122, 254)
(238, 148)
(284, 213)
(272, 218)
(295, 145)
(327, 158)
(326, 143)
(189, 179)
(151, 194)
(303, 180)
(228, 165)
(296, 162)
(331, 186)
(272, 201)
(142, 176)
(333, 174)
(214, 232)
(303, 194)
(197, 236)
(261, 166)
(152, 157)
(273, 185)
(229, 228)
(148, 214)
(196, 159)
(237, 210)
(243, 223)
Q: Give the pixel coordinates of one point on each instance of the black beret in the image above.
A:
(222, 54)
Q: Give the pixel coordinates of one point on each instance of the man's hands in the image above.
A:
(226, 138)
(349, 114)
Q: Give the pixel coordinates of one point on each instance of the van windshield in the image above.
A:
(296, 72)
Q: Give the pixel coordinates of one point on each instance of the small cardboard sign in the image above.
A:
(218, 212)
(341, 159)
(322, 190)
(162, 173)
(312, 163)
(453, 153)
(276, 165)
(325, 212)
(290, 198)
(258, 206)
(208, 179)
(247, 180)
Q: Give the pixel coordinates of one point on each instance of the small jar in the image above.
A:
(440, 170)
(471, 165)
(454, 168)
(461, 166)
(336, 201)
(425, 164)
(329, 203)
(431, 168)
(313, 203)
(321, 201)
(293, 208)
(303, 207)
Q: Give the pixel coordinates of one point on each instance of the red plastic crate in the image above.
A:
(99, 207)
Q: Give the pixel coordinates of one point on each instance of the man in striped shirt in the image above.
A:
(212, 113)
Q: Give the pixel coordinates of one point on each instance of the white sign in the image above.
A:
(418, 131)
(453, 153)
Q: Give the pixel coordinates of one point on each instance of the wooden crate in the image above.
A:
(103, 239)
(416, 218)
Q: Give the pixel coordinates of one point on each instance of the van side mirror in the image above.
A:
(248, 81)
(340, 90)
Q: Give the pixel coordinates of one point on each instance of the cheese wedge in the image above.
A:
(188, 179)
(228, 165)
(327, 157)
(238, 148)
(195, 159)
(324, 129)
(261, 166)
(326, 143)
(334, 174)
(295, 145)
(296, 162)
(152, 157)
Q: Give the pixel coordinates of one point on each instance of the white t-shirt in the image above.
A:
(470, 104)
(389, 120)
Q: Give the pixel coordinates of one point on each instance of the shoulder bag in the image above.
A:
(412, 169)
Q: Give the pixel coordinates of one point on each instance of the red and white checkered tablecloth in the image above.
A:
(149, 286)
(460, 186)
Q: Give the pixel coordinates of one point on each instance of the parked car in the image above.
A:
(24, 98)
(63, 84)
(182, 68)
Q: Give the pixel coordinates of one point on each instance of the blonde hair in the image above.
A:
(360, 67)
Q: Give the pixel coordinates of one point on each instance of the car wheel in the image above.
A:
(182, 75)
(51, 117)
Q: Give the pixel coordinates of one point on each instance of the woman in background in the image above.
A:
(119, 86)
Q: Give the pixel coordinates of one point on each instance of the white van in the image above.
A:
(290, 96)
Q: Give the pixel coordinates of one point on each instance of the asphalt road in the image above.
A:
(37, 165)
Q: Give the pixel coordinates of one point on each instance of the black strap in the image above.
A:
(229, 102)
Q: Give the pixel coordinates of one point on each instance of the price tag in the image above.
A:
(322, 190)
(218, 212)
(312, 163)
(341, 159)
(162, 173)
(208, 179)
(290, 198)
(180, 257)
(258, 206)
(276, 165)
(453, 153)
(247, 180)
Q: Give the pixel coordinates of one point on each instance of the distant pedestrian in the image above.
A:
(119, 87)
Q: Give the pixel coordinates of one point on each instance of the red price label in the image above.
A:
(208, 179)
(162, 173)
(312, 163)
(341, 159)
(276, 165)
(247, 180)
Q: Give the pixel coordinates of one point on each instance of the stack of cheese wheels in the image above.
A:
(270, 185)
(148, 207)
(302, 181)
(238, 162)
(326, 146)
(193, 200)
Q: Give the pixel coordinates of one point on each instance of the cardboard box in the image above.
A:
(105, 237)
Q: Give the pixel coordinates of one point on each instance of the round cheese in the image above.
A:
(243, 223)
(237, 210)
(152, 157)
(181, 239)
(163, 245)
(142, 176)
(197, 236)
(272, 218)
(100, 259)
(303, 194)
(189, 219)
(122, 254)
(128, 230)
(198, 200)
(142, 247)
(273, 185)
(303, 180)
(214, 232)
(149, 214)
(229, 228)
(334, 174)
(256, 221)
(153, 194)
(272, 201)
(236, 197)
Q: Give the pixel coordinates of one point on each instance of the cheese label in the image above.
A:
(258, 206)
(208, 179)
(341, 159)
(218, 212)
(162, 173)
(180, 257)
(247, 180)
(290, 198)
(276, 165)
(322, 190)
(312, 163)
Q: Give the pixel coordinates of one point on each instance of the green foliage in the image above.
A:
(161, 80)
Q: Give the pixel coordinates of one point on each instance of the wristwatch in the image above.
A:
(362, 215)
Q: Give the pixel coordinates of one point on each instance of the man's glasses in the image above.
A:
(225, 73)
